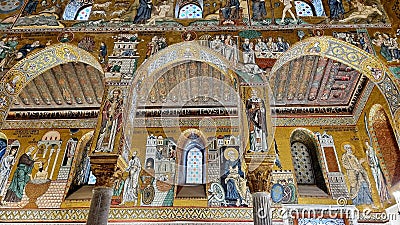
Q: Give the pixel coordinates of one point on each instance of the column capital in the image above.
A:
(103, 167)
(259, 170)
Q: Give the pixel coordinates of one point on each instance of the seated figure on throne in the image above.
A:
(236, 186)
(233, 179)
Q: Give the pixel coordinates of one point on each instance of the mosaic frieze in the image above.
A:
(59, 14)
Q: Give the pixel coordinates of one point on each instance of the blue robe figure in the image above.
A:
(234, 183)
(364, 195)
(336, 9)
(256, 9)
(3, 147)
(143, 12)
(231, 10)
(102, 52)
(30, 7)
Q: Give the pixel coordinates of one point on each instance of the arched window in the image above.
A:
(194, 166)
(302, 163)
(303, 9)
(307, 164)
(77, 10)
(191, 9)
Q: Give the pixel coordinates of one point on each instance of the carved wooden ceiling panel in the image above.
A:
(72, 86)
(313, 81)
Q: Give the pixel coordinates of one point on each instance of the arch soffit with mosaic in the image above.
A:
(77, 156)
(351, 56)
(24, 71)
(179, 53)
(308, 138)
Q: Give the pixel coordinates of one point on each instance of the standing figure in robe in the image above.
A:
(131, 183)
(143, 11)
(380, 181)
(110, 122)
(360, 187)
(22, 175)
(6, 164)
(255, 109)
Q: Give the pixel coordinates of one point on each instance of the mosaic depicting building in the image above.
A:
(164, 111)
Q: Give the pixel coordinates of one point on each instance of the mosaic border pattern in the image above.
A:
(110, 28)
(130, 214)
(141, 215)
(59, 123)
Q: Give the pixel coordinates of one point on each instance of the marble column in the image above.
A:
(261, 209)
(103, 167)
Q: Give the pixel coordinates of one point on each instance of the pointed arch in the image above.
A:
(23, 72)
(384, 143)
(308, 163)
(82, 150)
(351, 56)
(154, 67)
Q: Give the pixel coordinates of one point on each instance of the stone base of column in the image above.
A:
(262, 209)
(99, 206)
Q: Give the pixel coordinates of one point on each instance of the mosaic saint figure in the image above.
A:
(42, 174)
(360, 187)
(6, 164)
(21, 177)
(234, 178)
(3, 147)
(143, 11)
(380, 181)
(162, 11)
(258, 9)
(102, 52)
(230, 50)
(255, 109)
(336, 9)
(230, 11)
(382, 40)
(110, 122)
(131, 183)
(248, 52)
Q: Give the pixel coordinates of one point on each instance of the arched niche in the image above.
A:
(80, 167)
(384, 143)
(191, 164)
(149, 87)
(36, 65)
(367, 64)
(190, 94)
(308, 164)
(189, 9)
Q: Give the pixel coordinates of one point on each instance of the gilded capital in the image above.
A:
(259, 169)
(104, 167)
